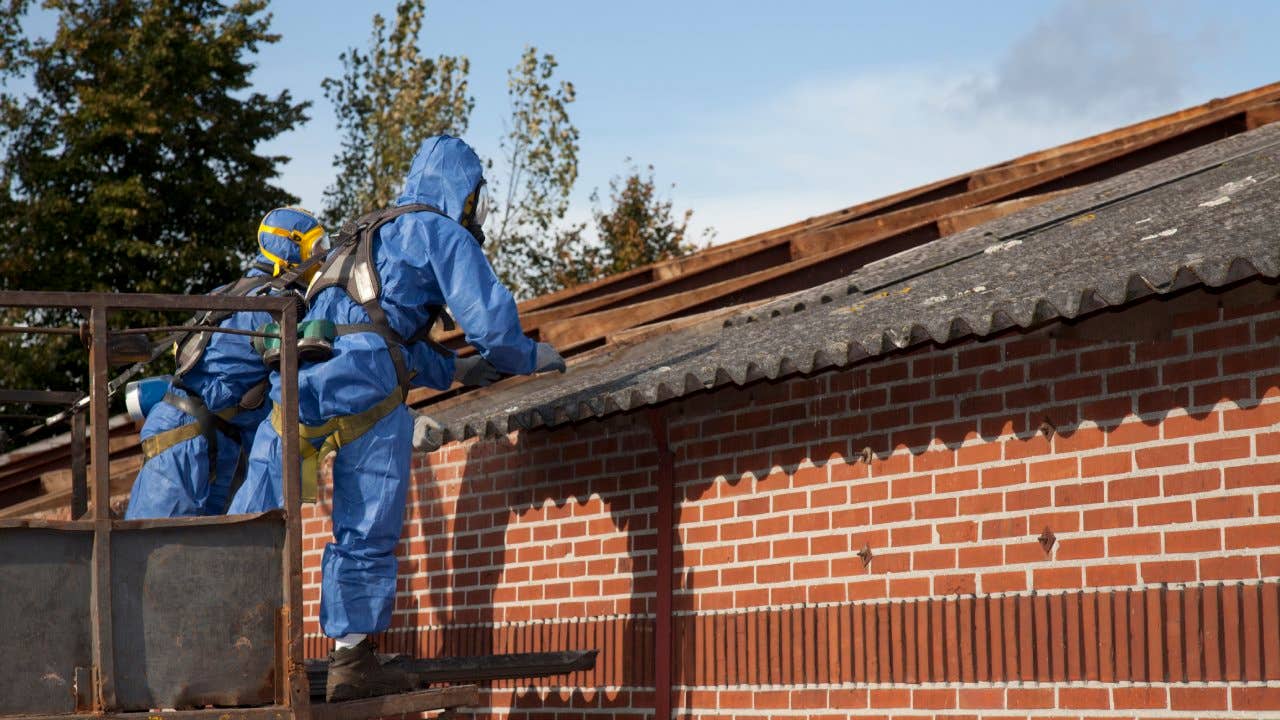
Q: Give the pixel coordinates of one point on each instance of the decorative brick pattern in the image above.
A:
(1199, 633)
(920, 481)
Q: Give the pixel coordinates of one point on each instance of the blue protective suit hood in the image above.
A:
(443, 173)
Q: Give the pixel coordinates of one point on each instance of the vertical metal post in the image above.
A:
(296, 685)
(79, 473)
(662, 582)
(103, 653)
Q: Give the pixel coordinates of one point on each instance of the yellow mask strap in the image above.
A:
(304, 241)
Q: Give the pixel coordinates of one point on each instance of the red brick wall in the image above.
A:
(867, 541)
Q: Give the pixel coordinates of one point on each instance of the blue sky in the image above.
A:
(763, 113)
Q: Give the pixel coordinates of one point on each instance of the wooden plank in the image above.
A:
(404, 703)
(1142, 133)
(962, 220)
(1256, 117)
(476, 668)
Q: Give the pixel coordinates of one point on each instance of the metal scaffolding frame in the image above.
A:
(119, 670)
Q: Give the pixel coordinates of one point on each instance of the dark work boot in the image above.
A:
(357, 672)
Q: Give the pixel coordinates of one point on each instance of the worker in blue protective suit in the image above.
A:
(386, 282)
(195, 442)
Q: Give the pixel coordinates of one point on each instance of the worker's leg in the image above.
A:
(172, 484)
(175, 483)
(262, 489)
(370, 482)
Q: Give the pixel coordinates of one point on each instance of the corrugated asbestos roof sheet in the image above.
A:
(599, 325)
(1210, 216)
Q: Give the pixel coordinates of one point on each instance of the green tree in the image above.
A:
(539, 167)
(637, 228)
(387, 100)
(640, 227)
(131, 163)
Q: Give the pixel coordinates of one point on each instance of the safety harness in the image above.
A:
(350, 266)
(208, 424)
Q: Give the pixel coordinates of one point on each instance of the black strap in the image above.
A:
(210, 425)
(237, 478)
(362, 232)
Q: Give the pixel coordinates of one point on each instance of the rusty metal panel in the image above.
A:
(194, 613)
(46, 640)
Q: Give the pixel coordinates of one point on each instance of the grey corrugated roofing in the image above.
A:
(1210, 216)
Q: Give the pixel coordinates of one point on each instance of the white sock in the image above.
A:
(349, 640)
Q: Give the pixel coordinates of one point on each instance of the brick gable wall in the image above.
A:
(1033, 525)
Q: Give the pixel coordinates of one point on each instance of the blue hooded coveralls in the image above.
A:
(423, 259)
(176, 482)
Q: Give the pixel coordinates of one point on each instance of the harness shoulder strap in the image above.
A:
(352, 267)
(192, 349)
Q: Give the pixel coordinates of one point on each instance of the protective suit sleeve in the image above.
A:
(479, 301)
(429, 368)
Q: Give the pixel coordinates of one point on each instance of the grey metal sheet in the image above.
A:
(194, 613)
(1208, 217)
(44, 618)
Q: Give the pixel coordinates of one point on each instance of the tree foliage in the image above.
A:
(640, 227)
(387, 100)
(539, 167)
(392, 96)
(131, 163)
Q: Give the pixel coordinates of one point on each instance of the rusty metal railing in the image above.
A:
(182, 618)
(116, 675)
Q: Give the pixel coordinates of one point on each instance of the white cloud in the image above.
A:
(827, 144)
(830, 142)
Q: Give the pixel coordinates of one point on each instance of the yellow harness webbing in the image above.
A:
(160, 442)
(337, 432)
